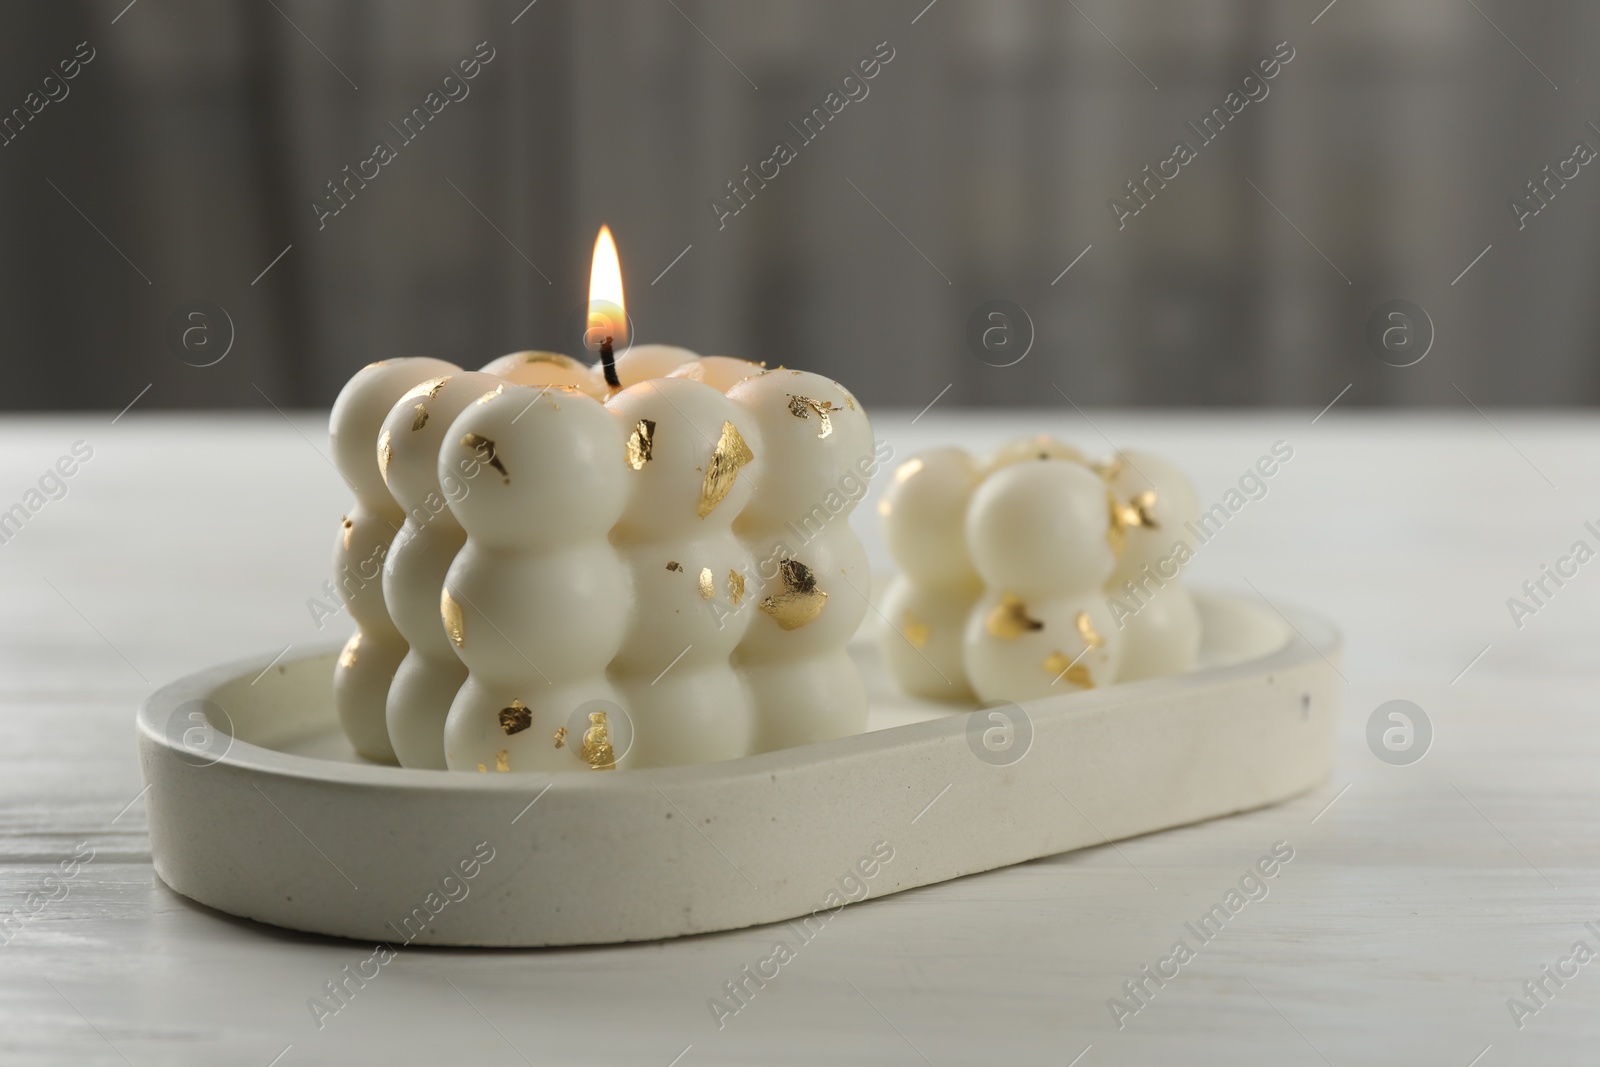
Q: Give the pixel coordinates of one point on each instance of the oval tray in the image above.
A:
(283, 824)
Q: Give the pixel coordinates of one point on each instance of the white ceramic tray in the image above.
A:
(281, 823)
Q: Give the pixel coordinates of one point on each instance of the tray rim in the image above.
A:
(261, 759)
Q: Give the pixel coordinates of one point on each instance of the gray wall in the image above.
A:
(188, 152)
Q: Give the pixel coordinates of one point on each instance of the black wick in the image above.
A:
(608, 363)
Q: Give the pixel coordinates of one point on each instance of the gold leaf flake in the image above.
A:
(450, 611)
(490, 395)
(596, 749)
(420, 419)
(1009, 619)
(908, 469)
(801, 600)
(916, 632)
(349, 527)
(730, 454)
(708, 584)
(502, 760)
(1136, 512)
(560, 736)
(1091, 636)
(482, 769)
(735, 587)
(385, 454)
(674, 565)
(1116, 529)
(515, 718)
(801, 407)
(640, 443)
(486, 452)
(347, 657)
(1140, 507)
(1126, 516)
(429, 388)
(1060, 666)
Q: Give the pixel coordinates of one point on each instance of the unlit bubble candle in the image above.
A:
(1007, 568)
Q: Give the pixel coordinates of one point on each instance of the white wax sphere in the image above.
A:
(1161, 637)
(641, 363)
(1155, 500)
(720, 372)
(415, 428)
(924, 518)
(358, 415)
(544, 368)
(1023, 649)
(921, 639)
(1038, 446)
(807, 598)
(1041, 528)
(669, 457)
(816, 444)
(560, 448)
(803, 701)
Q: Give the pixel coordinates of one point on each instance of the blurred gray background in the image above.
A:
(182, 162)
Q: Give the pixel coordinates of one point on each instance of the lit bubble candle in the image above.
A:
(642, 562)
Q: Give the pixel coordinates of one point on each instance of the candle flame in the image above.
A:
(608, 316)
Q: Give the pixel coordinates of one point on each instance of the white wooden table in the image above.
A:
(1420, 898)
